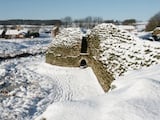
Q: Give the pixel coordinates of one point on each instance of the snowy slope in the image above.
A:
(78, 83)
(28, 85)
(135, 97)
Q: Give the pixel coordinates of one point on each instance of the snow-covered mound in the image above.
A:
(105, 31)
(121, 51)
(67, 37)
(135, 97)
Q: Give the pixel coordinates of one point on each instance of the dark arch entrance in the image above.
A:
(84, 45)
(83, 63)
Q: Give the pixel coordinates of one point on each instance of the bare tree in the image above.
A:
(97, 20)
(67, 21)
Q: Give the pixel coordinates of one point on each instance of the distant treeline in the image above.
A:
(30, 22)
(67, 21)
(87, 22)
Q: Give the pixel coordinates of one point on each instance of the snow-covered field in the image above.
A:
(32, 89)
(28, 84)
(14, 47)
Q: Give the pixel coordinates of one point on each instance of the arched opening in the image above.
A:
(83, 63)
(84, 45)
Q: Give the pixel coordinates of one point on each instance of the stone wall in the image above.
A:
(70, 57)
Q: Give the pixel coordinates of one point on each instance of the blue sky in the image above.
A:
(57, 9)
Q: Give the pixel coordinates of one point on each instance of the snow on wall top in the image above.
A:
(157, 28)
(111, 31)
(121, 51)
(67, 37)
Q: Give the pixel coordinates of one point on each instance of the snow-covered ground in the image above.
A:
(14, 47)
(135, 97)
(28, 84)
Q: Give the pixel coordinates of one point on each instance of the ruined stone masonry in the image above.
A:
(80, 54)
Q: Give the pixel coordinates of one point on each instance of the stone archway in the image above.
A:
(83, 63)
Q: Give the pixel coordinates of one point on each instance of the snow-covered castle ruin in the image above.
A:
(109, 50)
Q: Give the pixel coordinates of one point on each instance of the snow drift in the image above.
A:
(135, 97)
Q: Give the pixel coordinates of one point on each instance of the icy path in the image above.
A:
(28, 85)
